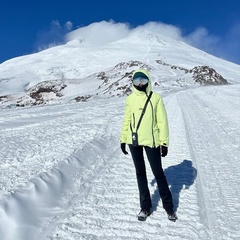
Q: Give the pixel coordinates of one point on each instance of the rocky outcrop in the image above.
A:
(42, 93)
(205, 75)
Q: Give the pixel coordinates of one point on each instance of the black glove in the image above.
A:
(164, 151)
(123, 147)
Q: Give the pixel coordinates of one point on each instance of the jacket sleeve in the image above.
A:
(162, 123)
(126, 123)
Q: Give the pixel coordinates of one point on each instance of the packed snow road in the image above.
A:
(63, 175)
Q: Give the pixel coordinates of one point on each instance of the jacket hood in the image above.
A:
(140, 72)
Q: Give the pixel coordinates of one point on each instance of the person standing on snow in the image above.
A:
(151, 134)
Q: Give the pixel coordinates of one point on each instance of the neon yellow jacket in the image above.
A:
(153, 130)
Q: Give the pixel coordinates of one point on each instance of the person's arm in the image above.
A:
(126, 123)
(162, 122)
(125, 127)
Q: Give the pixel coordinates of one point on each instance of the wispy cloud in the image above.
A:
(201, 38)
(53, 35)
(230, 45)
(100, 32)
(163, 29)
(226, 46)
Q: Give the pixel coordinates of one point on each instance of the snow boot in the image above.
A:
(172, 215)
(143, 214)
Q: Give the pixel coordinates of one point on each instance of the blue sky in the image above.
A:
(28, 26)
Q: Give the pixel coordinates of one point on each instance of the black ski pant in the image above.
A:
(154, 158)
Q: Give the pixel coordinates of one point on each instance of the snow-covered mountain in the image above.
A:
(82, 70)
(62, 172)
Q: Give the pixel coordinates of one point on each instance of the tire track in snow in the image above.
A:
(199, 188)
(180, 151)
(218, 173)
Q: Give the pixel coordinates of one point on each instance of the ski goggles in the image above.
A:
(140, 80)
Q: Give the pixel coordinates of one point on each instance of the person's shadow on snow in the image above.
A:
(179, 177)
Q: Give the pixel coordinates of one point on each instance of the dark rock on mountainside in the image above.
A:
(205, 75)
(42, 93)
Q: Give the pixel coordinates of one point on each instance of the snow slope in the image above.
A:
(73, 69)
(63, 175)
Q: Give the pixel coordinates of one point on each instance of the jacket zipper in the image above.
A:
(133, 121)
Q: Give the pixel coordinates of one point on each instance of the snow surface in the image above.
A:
(63, 175)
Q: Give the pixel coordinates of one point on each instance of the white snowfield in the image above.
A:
(63, 175)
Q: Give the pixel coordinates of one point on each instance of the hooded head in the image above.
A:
(141, 81)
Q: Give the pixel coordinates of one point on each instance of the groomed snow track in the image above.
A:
(86, 188)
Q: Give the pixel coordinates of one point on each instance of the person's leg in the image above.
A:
(154, 157)
(138, 159)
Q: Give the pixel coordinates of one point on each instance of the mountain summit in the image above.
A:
(90, 66)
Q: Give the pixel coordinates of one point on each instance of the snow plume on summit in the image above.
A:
(100, 33)
(162, 29)
(105, 32)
